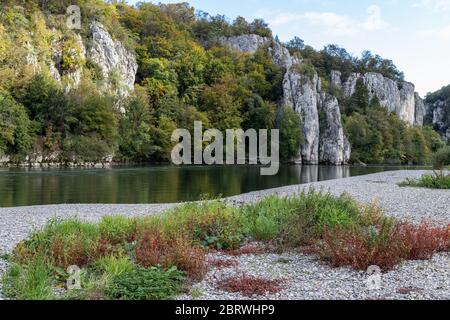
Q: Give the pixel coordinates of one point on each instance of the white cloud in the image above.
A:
(438, 33)
(436, 5)
(334, 24)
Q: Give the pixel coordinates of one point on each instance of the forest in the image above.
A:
(184, 75)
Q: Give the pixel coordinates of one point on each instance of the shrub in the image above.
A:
(301, 219)
(265, 220)
(118, 229)
(61, 244)
(250, 286)
(385, 245)
(212, 224)
(155, 248)
(146, 284)
(114, 266)
(438, 180)
(441, 158)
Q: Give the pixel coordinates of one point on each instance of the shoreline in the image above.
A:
(310, 279)
(413, 204)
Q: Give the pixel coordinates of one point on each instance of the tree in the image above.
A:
(221, 104)
(15, 137)
(137, 128)
(359, 101)
(296, 44)
(290, 133)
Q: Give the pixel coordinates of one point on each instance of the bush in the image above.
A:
(299, 220)
(438, 180)
(384, 245)
(212, 224)
(61, 244)
(441, 158)
(15, 127)
(146, 284)
(156, 248)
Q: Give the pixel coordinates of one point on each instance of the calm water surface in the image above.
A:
(153, 184)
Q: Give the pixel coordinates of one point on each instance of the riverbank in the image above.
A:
(311, 279)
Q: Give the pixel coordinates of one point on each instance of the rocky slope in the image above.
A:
(437, 111)
(324, 138)
(118, 66)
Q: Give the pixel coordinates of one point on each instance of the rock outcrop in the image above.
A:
(303, 94)
(249, 43)
(112, 57)
(334, 147)
(398, 97)
(420, 110)
(324, 137)
(438, 115)
(118, 65)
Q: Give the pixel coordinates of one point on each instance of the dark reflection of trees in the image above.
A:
(155, 184)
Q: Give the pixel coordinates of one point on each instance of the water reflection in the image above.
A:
(153, 184)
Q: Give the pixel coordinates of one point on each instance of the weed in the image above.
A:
(385, 245)
(146, 284)
(28, 282)
(156, 248)
(438, 180)
(212, 224)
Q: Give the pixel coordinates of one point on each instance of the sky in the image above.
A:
(415, 34)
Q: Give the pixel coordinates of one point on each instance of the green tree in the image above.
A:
(15, 137)
(290, 133)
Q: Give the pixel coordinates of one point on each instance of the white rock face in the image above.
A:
(73, 77)
(420, 110)
(281, 56)
(334, 147)
(249, 43)
(336, 77)
(397, 97)
(112, 56)
(301, 94)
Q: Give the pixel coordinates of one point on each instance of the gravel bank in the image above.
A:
(308, 279)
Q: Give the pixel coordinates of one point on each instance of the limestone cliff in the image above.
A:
(324, 137)
(398, 97)
(112, 57)
(118, 65)
(303, 94)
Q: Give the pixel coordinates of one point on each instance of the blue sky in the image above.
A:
(413, 33)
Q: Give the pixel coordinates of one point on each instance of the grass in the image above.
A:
(158, 257)
(146, 284)
(28, 282)
(437, 180)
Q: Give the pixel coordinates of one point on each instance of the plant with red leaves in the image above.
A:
(222, 263)
(425, 240)
(385, 245)
(156, 248)
(250, 286)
